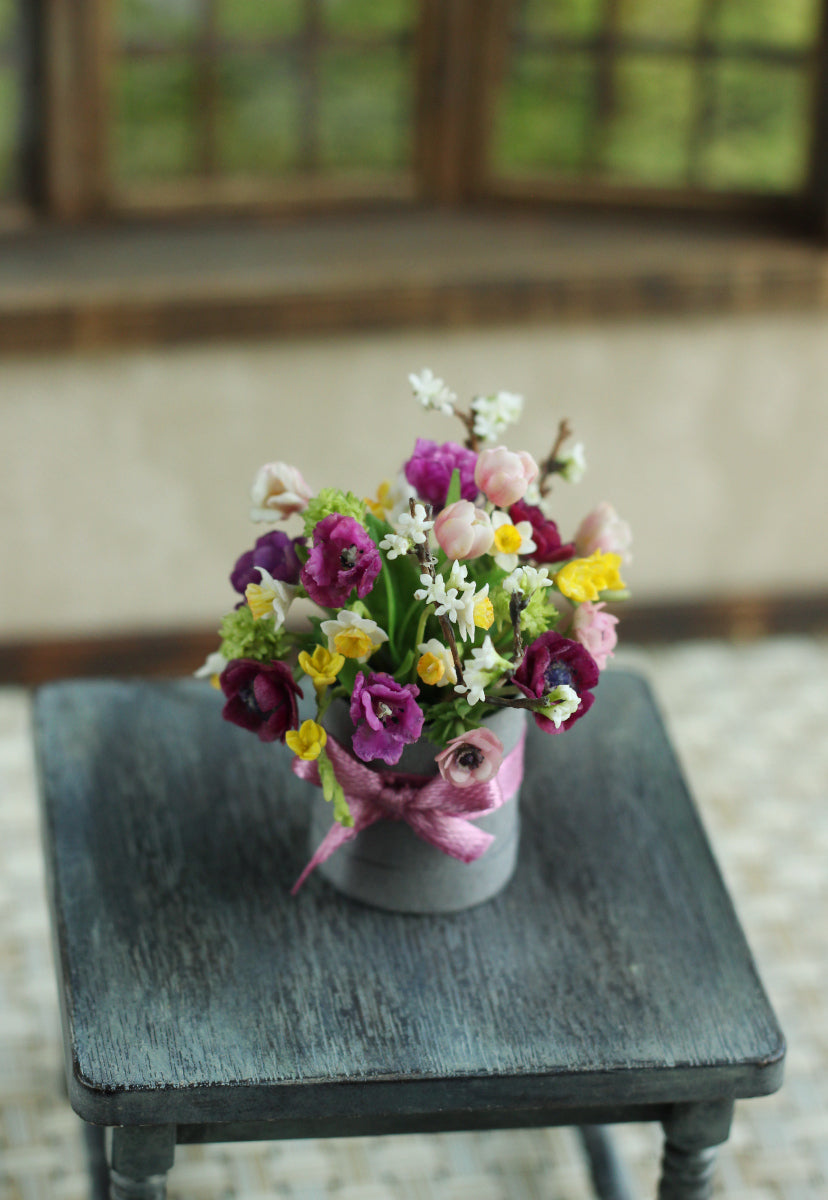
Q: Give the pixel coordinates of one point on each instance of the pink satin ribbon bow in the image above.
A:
(437, 812)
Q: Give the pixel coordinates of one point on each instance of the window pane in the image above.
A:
(364, 110)
(166, 21)
(792, 23)
(263, 18)
(546, 114)
(571, 17)
(677, 19)
(9, 129)
(258, 116)
(368, 16)
(760, 138)
(155, 132)
(648, 133)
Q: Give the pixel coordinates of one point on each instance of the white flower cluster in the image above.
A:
(454, 597)
(527, 580)
(563, 701)
(486, 665)
(433, 392)
(492, 414)
(408, 530)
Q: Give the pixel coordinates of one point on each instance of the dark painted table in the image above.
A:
(609, 982)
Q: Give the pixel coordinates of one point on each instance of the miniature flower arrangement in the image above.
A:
(446, 598)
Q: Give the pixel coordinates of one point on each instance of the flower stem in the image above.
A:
(550, 464)
(427, 567)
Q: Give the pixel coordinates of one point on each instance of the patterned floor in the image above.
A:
(749, 722)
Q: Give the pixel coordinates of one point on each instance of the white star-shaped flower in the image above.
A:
(469, 597)
(415, 527)
(395, 545)
(432, 392)
(527, 580)
(492, 414)
(574, 464)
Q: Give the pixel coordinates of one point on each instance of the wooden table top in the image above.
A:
(610, 977)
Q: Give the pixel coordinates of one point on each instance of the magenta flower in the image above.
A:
(343, 557)
(430, 468)
(386, 716)
(503, 475)
(549, 547)
(474, 757)
(552, 661)
(276, 552)
(261, 697)
(594, 629)
(464, 531)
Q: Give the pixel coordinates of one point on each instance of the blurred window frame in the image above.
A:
(460, 46)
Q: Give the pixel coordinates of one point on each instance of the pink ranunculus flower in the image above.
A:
(603, 529)
(278, 491)
(474, 757)
(464, 531)
(595, 630)
(503, 475)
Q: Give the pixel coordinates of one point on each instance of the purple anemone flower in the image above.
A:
(430, 468)
(261, 697)
(343, 557)
(274, 551)
(550, 661)
(386, 715)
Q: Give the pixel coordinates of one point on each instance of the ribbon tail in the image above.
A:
(455, 836)
(336, 836)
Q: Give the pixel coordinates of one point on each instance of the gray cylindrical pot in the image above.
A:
(389, 867)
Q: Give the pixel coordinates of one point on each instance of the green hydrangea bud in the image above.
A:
(331, 500)
(244, 637)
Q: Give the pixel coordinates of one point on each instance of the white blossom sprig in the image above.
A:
(432, 392)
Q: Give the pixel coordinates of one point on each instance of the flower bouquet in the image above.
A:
(443, 611)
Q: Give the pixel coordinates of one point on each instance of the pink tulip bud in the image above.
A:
(474, 757)
(603, 529)
(464, 531)
(503, 475)
(278, 491)
(595, 630)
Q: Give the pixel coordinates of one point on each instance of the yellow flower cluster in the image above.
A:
(308, 741)
(585, 578)
(322, 667)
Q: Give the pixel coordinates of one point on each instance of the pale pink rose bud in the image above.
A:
(278, 491)
(603, 529)
(474, 757)
(595, 630)
(464, 531)
(503, 475)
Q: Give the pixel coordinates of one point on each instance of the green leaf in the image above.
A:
(454, 488)
(405, 666)
(332, 791)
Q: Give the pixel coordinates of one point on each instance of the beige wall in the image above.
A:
(125, 476)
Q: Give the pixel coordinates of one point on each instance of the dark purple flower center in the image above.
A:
(469, 757)
(557, 674)
(247, 696)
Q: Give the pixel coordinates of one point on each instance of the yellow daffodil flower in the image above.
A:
(585, 578)
(507, 539)
(484, 613)
(308, 740)
(353, 642)
(431, 669)
(322, 667)
(383, 504)
(260, 600)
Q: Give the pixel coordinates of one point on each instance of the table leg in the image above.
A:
(692, 1133)
(140, 1157)
(608, 1176)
